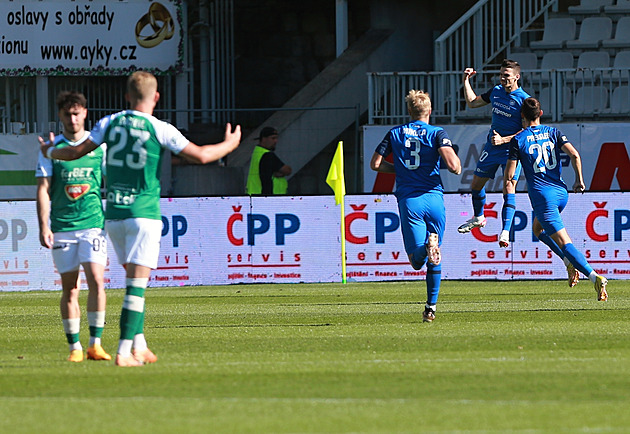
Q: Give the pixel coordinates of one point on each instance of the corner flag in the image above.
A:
(335, 175)
(336, 181)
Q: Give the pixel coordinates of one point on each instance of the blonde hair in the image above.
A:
(141, 85)
(418, 103)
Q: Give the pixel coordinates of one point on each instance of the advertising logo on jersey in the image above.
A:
(76, 191)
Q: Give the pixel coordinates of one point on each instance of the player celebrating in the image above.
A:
(75, 234)
(506, 100)
(538, 149)
(135, 141)
(417, 148)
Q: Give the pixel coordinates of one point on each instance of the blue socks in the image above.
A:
(551, 243)
(478, 200)
(508, 210)
(577, 259)
(434, 278)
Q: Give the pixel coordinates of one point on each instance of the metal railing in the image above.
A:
(600, 93)
(485, 31)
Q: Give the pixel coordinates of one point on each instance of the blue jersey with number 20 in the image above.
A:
(416, 158)
(538, 149)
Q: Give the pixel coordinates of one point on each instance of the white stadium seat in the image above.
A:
(556, 32)
(622, 35)
(589, 100)
(593, 31)
(620, 7)
(590, 6)
(620, 100)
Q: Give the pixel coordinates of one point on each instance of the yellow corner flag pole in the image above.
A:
(336, 181)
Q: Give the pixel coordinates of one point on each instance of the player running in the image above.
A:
(417, 148)
(538, 149)
(75, 233)
(136, 141)
(506, 99)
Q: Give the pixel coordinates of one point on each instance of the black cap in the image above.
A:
(267, 131)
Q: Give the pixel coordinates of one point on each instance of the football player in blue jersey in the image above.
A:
(417, 148)
(538, 149)
(506, 99)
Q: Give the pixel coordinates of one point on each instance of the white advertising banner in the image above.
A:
(217, 241)
(18, 158)
(88, 37)
(604, 148)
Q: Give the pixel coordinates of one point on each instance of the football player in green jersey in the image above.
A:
(69, 195)
(135, 143)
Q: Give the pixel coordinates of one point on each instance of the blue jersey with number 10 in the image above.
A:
(416, 158)
(538, 149)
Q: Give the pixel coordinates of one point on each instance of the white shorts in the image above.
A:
(136, 240)
(78, 247)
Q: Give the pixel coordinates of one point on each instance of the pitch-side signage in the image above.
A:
(218, 241)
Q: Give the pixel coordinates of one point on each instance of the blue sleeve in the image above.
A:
(486, 96)
(441, 139)
(560, 138)
(513, 149)
(385, 147)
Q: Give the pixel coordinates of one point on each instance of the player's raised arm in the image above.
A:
(472, 99)
(576, 162)
(67, 152)
(213, 152)
(379, 164)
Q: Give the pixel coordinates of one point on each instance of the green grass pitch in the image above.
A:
(520, 357)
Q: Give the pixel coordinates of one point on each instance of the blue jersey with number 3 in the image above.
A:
(538, 148)
(416, 158)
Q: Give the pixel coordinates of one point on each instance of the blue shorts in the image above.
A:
(420, 216)
(548, 205)
(491, 158)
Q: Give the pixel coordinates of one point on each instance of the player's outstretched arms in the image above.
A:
(212, 152)
(66, 153)
(451, 159)
(576, 162)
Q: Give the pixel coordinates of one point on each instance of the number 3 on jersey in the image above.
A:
(413, 145)
(116, 155)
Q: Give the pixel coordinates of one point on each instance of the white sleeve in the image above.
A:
(44, 166)
(170, 137)
(97, 135)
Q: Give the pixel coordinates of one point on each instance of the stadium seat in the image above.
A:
(557, 60)
(621, 66)
(622, 35)
(587, 64)
(587, 7)
(593, 31)
(545, 100)
(551, 61)
(589, 100)
(620, 7)
(620, 100)
(556, 32)
(528, 61)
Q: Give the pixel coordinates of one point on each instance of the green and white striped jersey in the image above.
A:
(75, 188)
(135, 145)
